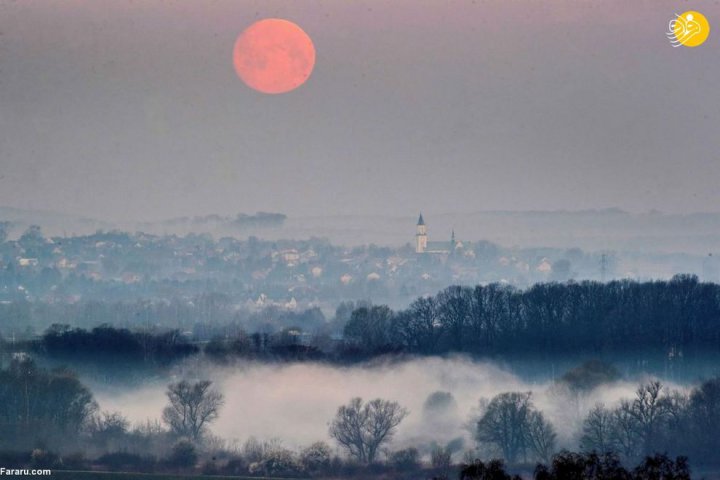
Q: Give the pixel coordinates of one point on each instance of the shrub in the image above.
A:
(277, 462)
(235, 466)
(316, 457)
(183, 454)
(493, 470)
(406, 459)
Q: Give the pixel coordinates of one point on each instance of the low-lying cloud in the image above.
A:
(295, 402)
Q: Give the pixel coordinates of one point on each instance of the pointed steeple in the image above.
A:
(421, 236)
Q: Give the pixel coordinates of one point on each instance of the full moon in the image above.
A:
(274, 56)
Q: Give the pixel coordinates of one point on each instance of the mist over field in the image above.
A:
(295, 402)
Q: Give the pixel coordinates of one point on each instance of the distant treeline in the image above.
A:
(108, 343)
(260, 219)
(672, 317)
(202, 317)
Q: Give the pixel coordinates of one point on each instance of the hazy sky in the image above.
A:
(132, 110)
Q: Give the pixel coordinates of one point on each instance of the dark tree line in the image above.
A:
(672, 317)
(586, 466)
(35, 401)
(659, 420)
(110, 344)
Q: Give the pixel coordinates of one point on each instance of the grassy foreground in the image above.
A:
(85, 475)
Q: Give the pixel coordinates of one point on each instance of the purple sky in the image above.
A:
(131, 109)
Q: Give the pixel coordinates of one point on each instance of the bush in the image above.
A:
(493, 470)
(277, 462)
(660, 467)
(607, 466)
(183, 454)
(235, 466)
(316, 457)
(406, 459)
(253, 450)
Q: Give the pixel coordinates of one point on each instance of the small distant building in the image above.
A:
(28, 262)
(292, 304)
(291, 257)
(544, 266)
(422, 245)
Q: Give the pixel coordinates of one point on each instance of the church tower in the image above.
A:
(421, 236)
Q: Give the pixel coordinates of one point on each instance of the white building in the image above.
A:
(422, 245)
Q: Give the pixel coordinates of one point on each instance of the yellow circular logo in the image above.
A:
(689, 29)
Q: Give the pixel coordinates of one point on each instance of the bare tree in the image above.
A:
(651, 409)
(503, 424)
(453, 306)
(362, 428)
(441, 457)
(513, 425)
(540, 436)
(370, 328)
(625, 430)
(421, 326)
(192, 406)
(598, 430)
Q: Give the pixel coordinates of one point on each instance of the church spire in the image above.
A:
(421, 236)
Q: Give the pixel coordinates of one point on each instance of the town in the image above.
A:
(256, 273)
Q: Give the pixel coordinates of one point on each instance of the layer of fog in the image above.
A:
(653, 232)
(294, 403)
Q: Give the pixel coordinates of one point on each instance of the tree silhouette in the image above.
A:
(361, 428)
(192, 406)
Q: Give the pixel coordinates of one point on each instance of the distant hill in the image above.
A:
(52, 223)
(594, 230)
(591, 230)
